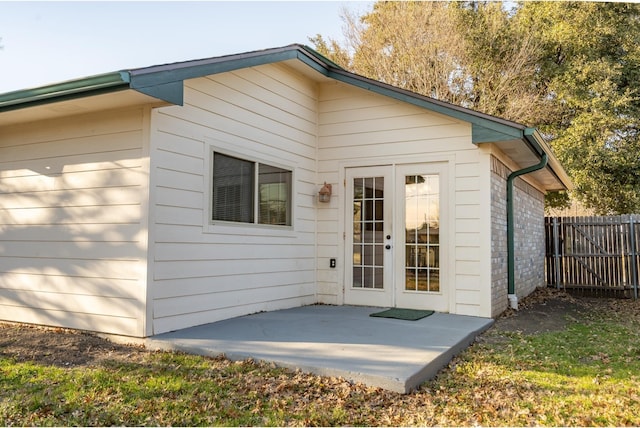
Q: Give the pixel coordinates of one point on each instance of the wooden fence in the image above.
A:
(596, 254)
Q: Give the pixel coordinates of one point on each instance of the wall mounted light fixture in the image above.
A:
(324, 195)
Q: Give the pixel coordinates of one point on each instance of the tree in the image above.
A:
(463, 53)
(406, 44)
(591, 68)
(504, 59)
(569, 68)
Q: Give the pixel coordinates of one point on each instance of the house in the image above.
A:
(149, 200)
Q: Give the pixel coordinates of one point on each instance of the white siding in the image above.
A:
(359, 128)
(202, 272)
(72, 236)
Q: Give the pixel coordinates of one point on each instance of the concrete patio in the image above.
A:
(336, 341)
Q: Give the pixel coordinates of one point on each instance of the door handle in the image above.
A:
(388, 247)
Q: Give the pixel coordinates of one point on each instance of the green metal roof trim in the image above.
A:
(144, 79)
(166, 82)
(486, 128)
(93, 85)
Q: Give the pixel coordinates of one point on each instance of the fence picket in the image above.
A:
(633, 256)
(600, 254)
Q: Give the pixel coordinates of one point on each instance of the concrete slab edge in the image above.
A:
(403, 386)
(431, 370)
(395, 385)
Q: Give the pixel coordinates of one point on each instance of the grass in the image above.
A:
(586, 375)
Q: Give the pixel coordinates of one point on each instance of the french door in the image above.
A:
(394, 238)
(368, 236)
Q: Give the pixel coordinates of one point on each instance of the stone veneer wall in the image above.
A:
(528, 237)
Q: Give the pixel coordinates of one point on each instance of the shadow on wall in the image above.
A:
(72, 250)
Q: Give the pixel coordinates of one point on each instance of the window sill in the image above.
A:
(231, 228)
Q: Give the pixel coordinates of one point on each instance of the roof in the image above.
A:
(165, 83)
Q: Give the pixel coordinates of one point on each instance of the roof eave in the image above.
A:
(165, 82)
(485, 128)
(537, 143)
(94, 85)
(171, 76)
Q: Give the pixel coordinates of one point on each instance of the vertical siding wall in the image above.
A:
(359, 128)
(72, 245)
(528, 236)
(204, 273)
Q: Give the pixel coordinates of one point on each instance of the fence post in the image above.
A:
(633, 256)
(556, 252)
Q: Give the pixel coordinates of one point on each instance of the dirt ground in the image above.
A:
(545, 310)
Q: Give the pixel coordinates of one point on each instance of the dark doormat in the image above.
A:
(403, 314)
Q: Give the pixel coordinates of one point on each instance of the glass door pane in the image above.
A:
(368, 232)
(422, 233)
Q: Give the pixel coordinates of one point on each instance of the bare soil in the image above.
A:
(543, 311)
(547, 310)
(62, 347)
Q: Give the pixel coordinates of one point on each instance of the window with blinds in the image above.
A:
(242, 195)
(233, 186)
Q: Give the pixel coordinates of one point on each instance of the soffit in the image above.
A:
(523, 156)
(81, 105)
(152, 85)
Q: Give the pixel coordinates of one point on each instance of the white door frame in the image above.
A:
(394, 293)
(433, 300)
(376, 240)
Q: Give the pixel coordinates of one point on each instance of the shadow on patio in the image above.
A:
(336, 341)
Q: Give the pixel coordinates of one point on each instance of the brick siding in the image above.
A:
(528, 237)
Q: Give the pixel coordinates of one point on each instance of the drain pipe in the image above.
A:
(511, 295)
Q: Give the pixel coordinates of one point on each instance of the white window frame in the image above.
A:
(232, 227)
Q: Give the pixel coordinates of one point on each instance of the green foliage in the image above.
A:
(591, 68)
(557, 200)
(570, 68)
(501, 61)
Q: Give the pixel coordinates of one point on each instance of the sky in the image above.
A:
(49, 42)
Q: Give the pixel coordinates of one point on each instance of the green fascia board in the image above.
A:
(484, 133)
(172, 92)
(93, 85)
(171, 73)
(313, 62)
(165, 82)
(485, 128)
(530, 135)
(320, 57)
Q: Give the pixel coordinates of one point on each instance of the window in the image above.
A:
(250, 192)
